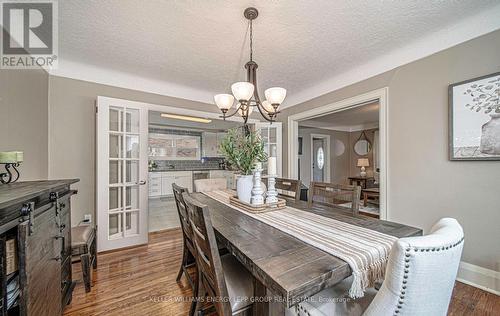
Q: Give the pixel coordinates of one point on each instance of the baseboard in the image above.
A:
(482, 278)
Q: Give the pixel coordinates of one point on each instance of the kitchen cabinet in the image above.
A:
(211, 143)
(160, 183)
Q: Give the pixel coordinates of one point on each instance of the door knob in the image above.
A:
(142, 182)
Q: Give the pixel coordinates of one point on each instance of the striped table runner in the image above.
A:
(365, 250)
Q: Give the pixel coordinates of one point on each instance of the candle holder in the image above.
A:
(257, 191)
(9, 177)
(272, 193)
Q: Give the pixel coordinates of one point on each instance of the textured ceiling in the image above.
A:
(200, 46)
(361, 117)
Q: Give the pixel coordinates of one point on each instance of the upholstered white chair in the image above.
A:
(207, 185)
(419, 279)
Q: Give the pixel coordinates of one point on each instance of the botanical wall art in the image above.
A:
(475, 119)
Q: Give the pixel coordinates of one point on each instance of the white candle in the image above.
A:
(271, 166)
(20, 156)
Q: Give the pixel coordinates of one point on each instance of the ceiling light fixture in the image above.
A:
(246, 93)
(186, 118)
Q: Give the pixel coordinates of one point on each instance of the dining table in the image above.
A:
(285, 267)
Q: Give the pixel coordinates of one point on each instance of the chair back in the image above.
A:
(207, 185)
(207, 255)
(421, 273)
(288, 187)
(337, 195)
(183, 214)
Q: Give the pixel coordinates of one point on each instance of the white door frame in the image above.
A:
(327, 156)
(382, 95)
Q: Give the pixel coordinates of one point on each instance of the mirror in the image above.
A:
(362, 147)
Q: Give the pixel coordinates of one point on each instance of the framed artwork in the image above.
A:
(474, 119)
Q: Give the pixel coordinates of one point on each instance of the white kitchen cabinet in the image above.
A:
(160, 183)
(220, 137)
(154, 184)
(209, 144)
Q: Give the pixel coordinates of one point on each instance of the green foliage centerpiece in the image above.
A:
(242, 149)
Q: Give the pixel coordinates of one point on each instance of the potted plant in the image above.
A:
(242, 149)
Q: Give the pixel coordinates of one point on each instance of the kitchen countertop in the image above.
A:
(181, 169)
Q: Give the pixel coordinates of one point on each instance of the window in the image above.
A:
(320, 158)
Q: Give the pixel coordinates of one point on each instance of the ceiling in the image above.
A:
(195, 49)
(354, 119)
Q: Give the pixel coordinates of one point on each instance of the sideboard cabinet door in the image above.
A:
(40, 271)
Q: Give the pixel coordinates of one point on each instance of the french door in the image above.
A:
(122, 166)
(272, 138)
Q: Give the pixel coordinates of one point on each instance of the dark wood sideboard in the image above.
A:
(35, 247)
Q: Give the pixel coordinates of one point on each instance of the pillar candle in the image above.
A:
(271, 166)
(8, 157)
(20, 156)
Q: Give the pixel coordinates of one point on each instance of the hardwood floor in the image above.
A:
(141, 281)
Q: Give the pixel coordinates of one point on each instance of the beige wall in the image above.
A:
(339, 161)
(354, 170)
(424, 185)
(24, 118)
(72, 132)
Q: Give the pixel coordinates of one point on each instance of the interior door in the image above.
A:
(272, 137)
(122, 170)
(318, 160)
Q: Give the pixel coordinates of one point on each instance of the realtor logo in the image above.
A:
(29, 34)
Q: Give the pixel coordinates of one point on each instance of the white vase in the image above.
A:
(490, 137)
(244, 186)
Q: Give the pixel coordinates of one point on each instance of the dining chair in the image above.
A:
(207, 185)
(188, 254)
(221, 278)
(288, 187)
(419, 280)
(337, 195)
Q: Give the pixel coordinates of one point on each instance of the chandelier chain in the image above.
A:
(251, 40)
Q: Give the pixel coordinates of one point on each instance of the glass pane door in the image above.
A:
(122, 170)
(271, 136)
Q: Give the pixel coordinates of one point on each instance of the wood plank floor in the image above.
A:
(141, 281)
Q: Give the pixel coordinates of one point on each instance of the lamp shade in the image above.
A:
(242, 91)
(268, 107)
(275, 95)
(363, 162)
(224, 101)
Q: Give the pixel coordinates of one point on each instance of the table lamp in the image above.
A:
(363, 162)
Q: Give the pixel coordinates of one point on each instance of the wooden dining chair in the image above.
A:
(288, 188)
(188, 255)
(221, 278)
(337, 195)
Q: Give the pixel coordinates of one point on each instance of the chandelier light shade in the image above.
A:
(242, 91)
(275, 95)
(267, 106)
(224, 101)
(246, 92)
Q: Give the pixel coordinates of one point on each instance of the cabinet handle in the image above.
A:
(58, 258)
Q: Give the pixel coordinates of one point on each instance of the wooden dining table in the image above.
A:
(283, 266)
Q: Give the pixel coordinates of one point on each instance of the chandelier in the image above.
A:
(245, 93)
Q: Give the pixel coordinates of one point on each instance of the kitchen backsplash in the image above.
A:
(212, 163)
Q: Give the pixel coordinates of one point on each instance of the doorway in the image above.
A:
(377, 96)
(320, 158)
